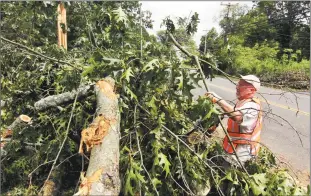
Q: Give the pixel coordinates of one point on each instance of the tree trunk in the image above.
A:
(103, 135)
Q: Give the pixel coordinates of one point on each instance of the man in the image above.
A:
(245, 120)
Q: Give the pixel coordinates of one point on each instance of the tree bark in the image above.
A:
(103, 135)
(55, 100)
(20, 121)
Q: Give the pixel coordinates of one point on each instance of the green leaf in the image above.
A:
(210, 112)
(130, 93)
(129, 176)
(258, 184)
(140, 177)
(156, 181)
(163, 161)
(181, 80)
(151, 65)
(127, 74)
(120, 15)
(113, 61)
(152, 104)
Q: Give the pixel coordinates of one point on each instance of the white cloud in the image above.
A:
(208, 13)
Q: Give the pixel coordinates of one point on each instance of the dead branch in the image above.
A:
(22, 120)
(56, 100)
(182, 170)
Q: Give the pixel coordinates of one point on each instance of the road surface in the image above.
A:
(277, 134)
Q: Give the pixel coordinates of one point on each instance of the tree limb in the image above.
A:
(193, 56)
(55, 100)
(38, 54)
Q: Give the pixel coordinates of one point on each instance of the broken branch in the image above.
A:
(37, 53)
(55, 100)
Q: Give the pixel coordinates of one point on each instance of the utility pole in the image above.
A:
(227, 20)
(205, 42)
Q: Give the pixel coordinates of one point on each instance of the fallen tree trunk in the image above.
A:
(103, 135)
(56, 100)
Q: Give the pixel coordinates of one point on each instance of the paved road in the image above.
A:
(277, 134)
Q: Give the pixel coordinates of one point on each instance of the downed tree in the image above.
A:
(156, 108)
(102, 136)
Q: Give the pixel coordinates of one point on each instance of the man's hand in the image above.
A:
(213, 96)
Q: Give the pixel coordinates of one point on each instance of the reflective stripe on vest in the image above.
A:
(237, 137)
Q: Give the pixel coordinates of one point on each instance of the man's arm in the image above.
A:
(234, 115)
(237, 116)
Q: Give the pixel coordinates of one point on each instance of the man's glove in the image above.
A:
(213, 96)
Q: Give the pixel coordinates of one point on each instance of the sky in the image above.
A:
(208, 11)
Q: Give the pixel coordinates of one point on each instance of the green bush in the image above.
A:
(261, 60)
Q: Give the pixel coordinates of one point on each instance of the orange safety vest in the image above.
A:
(238, 138)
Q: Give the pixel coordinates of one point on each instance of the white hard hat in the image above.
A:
(252, 80)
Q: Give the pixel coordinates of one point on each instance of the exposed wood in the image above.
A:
(102, 176)
(52, 186)
(62, 26)
(48, 188)
(56, 100)
(6, 136)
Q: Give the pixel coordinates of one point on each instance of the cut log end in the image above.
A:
(106, 86)
(25, 118)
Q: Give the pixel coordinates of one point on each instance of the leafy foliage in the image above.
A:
(268, 40)
(157, 108)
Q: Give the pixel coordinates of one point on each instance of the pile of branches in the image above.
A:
(159, 152)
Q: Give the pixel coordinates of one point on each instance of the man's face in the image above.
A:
(244, 90)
